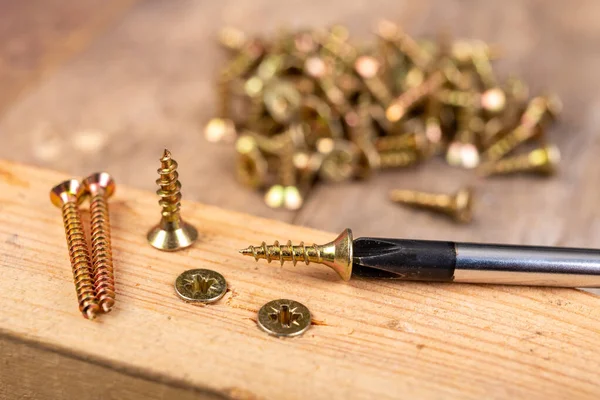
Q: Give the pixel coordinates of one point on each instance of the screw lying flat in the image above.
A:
(101, 186)
(543, 160)
(67, 196)
(284, 318)
(458, 206)
(200, 285)
(172, 233)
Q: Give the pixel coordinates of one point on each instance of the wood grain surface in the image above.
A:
(369, 339)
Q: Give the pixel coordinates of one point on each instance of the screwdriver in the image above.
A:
(426, 260)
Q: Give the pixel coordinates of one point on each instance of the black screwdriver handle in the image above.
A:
(415, 260)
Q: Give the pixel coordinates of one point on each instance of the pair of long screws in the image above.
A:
(94, 278)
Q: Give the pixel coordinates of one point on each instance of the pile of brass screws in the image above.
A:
(308, 105)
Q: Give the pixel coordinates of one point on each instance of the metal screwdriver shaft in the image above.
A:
(423, 260)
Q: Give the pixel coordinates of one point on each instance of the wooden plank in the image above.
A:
(369, 339)
(38, 36)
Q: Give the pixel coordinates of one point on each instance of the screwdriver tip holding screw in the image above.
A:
(336, 254)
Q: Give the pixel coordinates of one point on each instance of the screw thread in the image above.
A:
(458, 98)
(536, 160)
(287, 252)
(398, 159)
(509, 142)
(80, 260)
(104, 281)
(399, 107)
(379, 90)
(407, 141)
(421, 199)
(170, 188)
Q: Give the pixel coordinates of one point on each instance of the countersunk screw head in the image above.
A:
(68, 191)
(284, 318)
(200, 285)
(100, 182)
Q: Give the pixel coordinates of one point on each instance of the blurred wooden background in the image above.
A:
(106, 85)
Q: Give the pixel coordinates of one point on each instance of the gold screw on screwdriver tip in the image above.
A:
(172, 233)
(336, 254)
(67, 196)
(458, 206)
(101, 186)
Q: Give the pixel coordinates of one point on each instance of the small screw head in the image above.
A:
(284, 318)
(100, 181)
(463, 205)
(200, 285)
(64, 192)
(219, 129)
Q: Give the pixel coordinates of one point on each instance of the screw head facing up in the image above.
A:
(200, 285)
(68, 191)
(100, 182)
(284, 318)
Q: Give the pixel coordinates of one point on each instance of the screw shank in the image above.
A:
(414, 260)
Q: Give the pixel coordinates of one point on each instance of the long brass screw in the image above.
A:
(362, 132)
(492, 100)
(367, 67)
(458, 206)
(401, 105)
(462, 151)
(101, 186)
(538, 109)
(543, 160)
(337, 254)
(172, 233)
(67, 196)
(408, 141)
(404, 43)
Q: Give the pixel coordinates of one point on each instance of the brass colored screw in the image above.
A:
(458, 206)
(367, 68)
(251, 164)
(492, 100)
(100, 187)
(339, 159)
(543, 160)
(284, 318)
(404, 43)
(200, 285)
(463, 152)
(172, 233)
(398, 159)
(337, 254)
(400, 106)
(409, 141)
(67, 196)
(539, 108)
